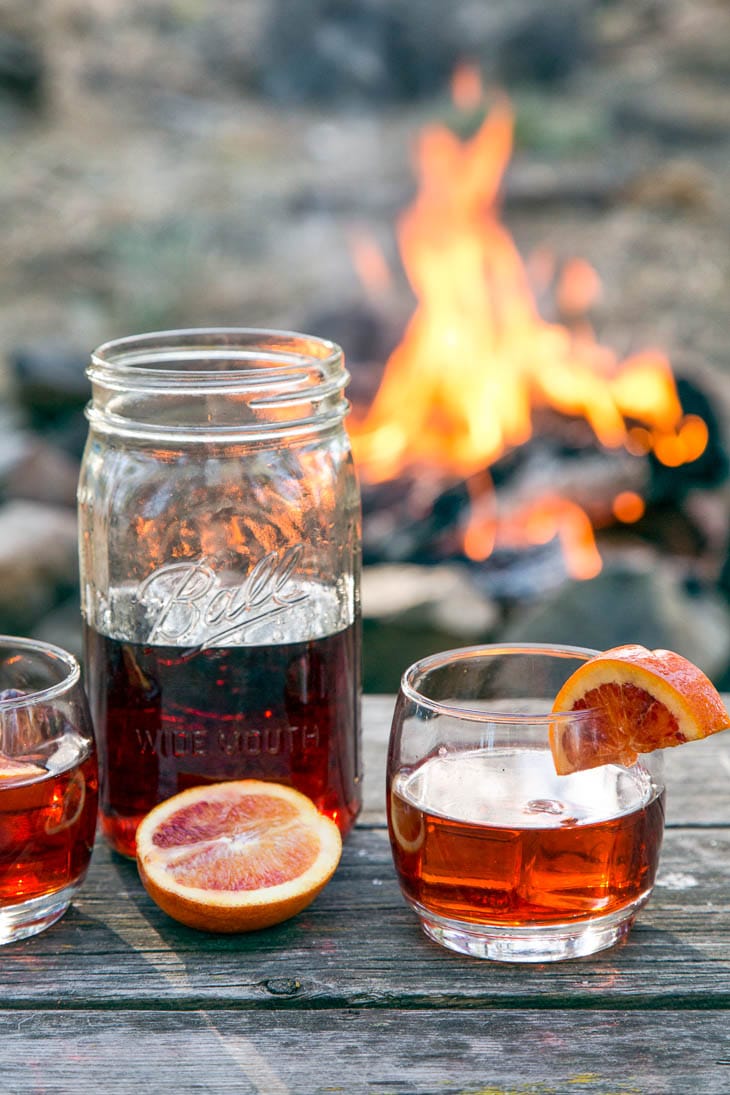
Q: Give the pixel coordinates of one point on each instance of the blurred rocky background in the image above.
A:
(169, 163)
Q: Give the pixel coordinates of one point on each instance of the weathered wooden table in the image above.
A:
(350, 997)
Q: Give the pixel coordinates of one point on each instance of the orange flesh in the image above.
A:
(679, 703)
(250, 844)
(633, 712)
(208, 820)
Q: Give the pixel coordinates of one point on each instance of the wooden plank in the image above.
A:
(521, 1052)
(359, 945)
(697, 774)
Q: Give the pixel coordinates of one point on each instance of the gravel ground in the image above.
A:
(162, 176)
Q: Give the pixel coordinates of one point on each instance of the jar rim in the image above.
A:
(217, 382)
(158, 355)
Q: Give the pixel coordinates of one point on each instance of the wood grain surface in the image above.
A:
(350, 997)
(361, 1052)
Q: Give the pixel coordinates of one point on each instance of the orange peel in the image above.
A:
(236, 856)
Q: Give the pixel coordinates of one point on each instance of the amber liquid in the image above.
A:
(565, 848)
(167, 719)
(47, 827)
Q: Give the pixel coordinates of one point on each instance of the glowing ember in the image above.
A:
(466, 87)
(369, 262)
(476, 358)
(628, 506)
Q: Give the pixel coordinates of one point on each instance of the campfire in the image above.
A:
(483, 383)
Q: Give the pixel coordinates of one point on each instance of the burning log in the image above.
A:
(411, 519)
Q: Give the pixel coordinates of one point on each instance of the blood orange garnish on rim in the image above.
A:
(642, 700)
(11, 769)
(236, 856)
(23, 785)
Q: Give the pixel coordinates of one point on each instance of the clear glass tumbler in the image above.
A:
(499, 856)
(48, 785)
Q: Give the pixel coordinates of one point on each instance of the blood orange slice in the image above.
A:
(642, 699)
(23, 785)
(238, 856)
(407, 824)
(18, 770)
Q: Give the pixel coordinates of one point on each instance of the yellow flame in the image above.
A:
(476, 358)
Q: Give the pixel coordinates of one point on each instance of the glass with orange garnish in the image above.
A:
(525, 796)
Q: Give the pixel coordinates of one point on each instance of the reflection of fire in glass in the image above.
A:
(477, 359)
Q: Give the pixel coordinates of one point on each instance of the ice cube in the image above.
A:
(65, 754)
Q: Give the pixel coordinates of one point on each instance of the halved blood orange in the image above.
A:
(643, 700)
(237, 856)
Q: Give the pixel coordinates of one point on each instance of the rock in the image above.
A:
(365, 334)
(38, 562)
(231, 47)
(362, 51)
(22, 70)
(545, 46)
(533, 186)
(411, 611)
(681, 184)
(701, 46)
(367, 337)
(13, 447)
(683, 112)
(49, 379)
(637, 598)
(38, 471)
(51, 389)
(441, 597)
(62, 627)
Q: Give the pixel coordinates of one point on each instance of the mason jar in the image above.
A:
(220, 570)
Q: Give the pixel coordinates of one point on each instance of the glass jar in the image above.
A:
(220, 570)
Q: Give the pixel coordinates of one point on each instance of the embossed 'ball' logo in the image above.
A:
(187, 599)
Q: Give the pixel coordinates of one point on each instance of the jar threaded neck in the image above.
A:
(217, 381)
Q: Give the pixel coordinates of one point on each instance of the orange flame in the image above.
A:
(536, 522)
(466, 86)
(628, 506)
(477, 358)
(578, 288)
(369, 262)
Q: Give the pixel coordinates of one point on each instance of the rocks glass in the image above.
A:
(48, 785)
(498, 855)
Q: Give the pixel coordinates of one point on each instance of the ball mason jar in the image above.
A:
(220, 570)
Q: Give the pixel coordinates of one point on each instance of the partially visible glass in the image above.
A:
(48, 785)
(498, 855)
